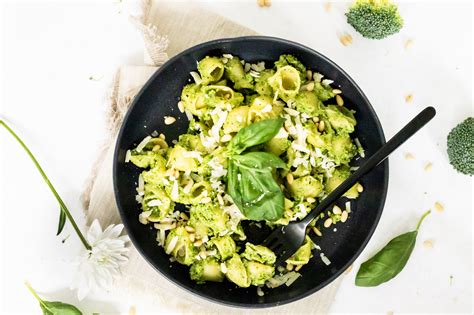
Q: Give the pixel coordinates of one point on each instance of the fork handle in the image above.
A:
(403, 135)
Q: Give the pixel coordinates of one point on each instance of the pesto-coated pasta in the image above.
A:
(311, 153)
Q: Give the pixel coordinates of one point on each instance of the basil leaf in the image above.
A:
(54, 308)
(389, 261)
(59, 308)
(255, 134)
(62, 220)
(261, 195)
(259, 160)
(233, 183)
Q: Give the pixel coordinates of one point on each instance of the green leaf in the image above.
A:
(259, 160)
(255, 134)
(262, 198)
(59, 308)
(233, 183)
(255, 192)
(389, 261)
(62, 220)
(54, 308)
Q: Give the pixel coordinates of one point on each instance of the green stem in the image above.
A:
(422, 218)
(53, 190)
(33, 292)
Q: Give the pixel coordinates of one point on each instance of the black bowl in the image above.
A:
(159, 98)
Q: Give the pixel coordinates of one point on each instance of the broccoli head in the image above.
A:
(375, 19)
(461, 147)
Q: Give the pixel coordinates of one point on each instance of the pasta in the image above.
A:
(228, 95)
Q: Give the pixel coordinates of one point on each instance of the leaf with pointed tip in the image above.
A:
(62, 220)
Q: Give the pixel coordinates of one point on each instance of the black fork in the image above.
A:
(285, 240)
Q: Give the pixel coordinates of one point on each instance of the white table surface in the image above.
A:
(50, 50)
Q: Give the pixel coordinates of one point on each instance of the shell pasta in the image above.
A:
(297, 165)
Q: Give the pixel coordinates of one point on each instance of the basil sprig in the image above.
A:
(55, 307)
(389, 261)
(250, 180)
(255, 134)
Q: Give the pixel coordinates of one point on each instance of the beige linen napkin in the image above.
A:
(179, 22)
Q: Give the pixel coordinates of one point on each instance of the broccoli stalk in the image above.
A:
(461, 147)
(375, 19)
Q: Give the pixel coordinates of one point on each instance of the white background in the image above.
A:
(51, 49)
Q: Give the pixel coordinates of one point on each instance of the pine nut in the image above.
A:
(339, 100)
(310, 86)
(439, 207)
(408, 43)
(169, 120)
(184, 216)
(317, 231)
(321, 126)
(336, 210)
(289, 178)
(169, 172)
(344, 216)
(298, 267)
(316, 119)
(409, 156)
(428, 244)
(428, 167)
(197, 243)
(346, 39)
(162, 136)
(311, 200)
(189, 229)
(337, 91)
(360, 188)
(181, 106)
(309, 75)
(328, 6)
(328, 222)
(192, 237)
(289, 267)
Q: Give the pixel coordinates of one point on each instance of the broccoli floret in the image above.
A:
(375, 19)
(461, 147)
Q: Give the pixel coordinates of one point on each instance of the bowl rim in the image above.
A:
(196, 293)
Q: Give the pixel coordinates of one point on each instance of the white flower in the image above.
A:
(100, 266)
